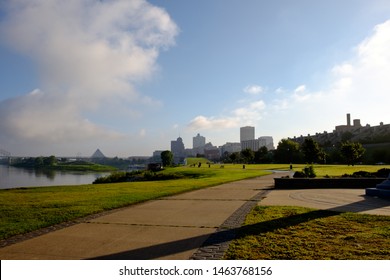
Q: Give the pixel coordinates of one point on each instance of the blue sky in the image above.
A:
(130, 76)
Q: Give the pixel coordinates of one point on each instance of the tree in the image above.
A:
(167, 158)
(50, 161)
(262, 155)
(287, 151)
(235, 157)
(247, 155)
(225, 157)
(311, 150)
(39, 161)
(322, 156)
(352, 152)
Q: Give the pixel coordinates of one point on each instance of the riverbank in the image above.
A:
(66, 166)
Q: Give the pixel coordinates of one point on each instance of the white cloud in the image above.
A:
(362, 84)
(244, 115)
(343, 69)
(251, 113)
(253, 89)
(280, 90)
(202, 122)
(36, 117)
(300, 89)
(88, 54)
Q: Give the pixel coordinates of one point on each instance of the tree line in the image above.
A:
(311, 152)
(289, 151)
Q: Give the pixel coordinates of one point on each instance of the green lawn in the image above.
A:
(287, 233)
(320, 169)
(338, 170)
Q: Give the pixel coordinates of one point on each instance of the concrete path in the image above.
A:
(176, 227)
(169, 228)
(344, 200)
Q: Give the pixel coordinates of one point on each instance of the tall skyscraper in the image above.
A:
(247, 133)
(198, 141)
(177, 147)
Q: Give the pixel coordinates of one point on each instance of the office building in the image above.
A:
(247, 133)
(198, 141)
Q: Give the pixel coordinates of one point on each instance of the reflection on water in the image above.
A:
(12, 177)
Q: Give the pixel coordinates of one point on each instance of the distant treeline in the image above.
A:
(53, 163)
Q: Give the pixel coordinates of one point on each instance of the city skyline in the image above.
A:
(127, 77)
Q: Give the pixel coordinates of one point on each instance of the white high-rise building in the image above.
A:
(247, 133)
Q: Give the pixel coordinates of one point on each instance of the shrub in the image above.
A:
(384, 172)
(381, 173)
(307, 172)
(364, 174)
(133, 176)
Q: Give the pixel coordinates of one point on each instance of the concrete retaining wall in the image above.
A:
(314, 183)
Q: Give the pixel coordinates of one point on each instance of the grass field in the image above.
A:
(27, 209)
(288, 233)
(320, 169)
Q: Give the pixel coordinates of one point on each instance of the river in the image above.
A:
(12, 177)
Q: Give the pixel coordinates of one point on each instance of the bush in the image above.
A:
(381, 173)
(133, 176)
(307, 172)
(384, 172)
(118, 177)
(364, 174)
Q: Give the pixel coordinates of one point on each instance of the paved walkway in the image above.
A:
(194, 225)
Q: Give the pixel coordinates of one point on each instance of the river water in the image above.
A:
(12, 177)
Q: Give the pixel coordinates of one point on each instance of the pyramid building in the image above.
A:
(98, 154)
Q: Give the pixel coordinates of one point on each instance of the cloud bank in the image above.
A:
(88, 54)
